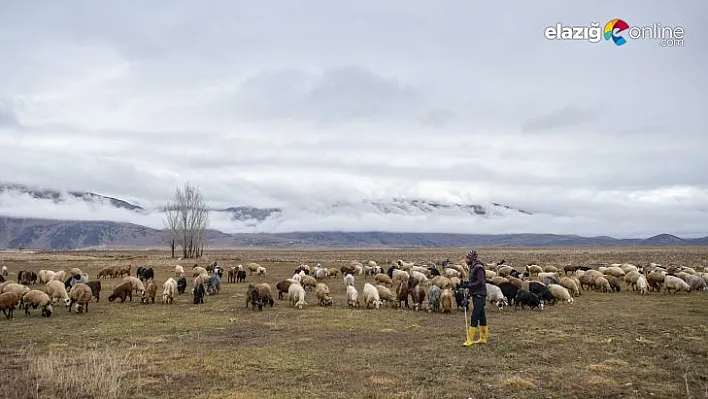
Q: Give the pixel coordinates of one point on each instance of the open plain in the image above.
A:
(604, 345)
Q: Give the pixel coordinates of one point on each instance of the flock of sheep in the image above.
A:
(433, 287)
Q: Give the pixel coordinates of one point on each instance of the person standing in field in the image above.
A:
(478, 291)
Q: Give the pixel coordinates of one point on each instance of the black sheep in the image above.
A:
(525, 298)
(139, 271)
(542, 292)
(461, 299)
(240, 276)
(181, 285)
(146, 274)
(390, 271)
(199, 294)
(434, 271)
(95, 288)
(509, 290)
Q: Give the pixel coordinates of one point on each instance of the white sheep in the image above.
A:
(179, 271)
(496, 297)
(296, 277)
(348, 280)
(450, 272)
(57, 292)
(560, 293)
(404, 265)
(59, 276)
(372, 264)
(261, 271)
(676, 284)
(169, 289)
(296, 296)
(352, 296)
(422, 278)
(4, 270)
(138, 285)
(320, 273)
(642, 285)
(371, 296)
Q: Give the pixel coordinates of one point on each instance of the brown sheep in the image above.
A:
(517, 282)
(80, 294)
(385, 294)
(446, 300)
(282, 288)
(308, 282)
(441, 281)
(655, 280)
(601, 283)
(570, 285)
(8, 302)
(418, 295)
(107, 271)
(122, 291)
(149, 293)
(323, 295)
(266, 294)
(498, 280)
(614, 282)
(122, 270)
(383, 278)
(402, 294)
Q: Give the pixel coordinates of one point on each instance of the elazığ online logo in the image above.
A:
(615, 30)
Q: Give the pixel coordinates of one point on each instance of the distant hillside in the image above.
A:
(61, 235)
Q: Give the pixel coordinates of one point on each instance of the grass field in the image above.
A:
(604, 345)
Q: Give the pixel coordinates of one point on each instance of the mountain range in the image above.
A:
(45, 233)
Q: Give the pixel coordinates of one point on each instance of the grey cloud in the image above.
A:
(8, 118)
(568, 116)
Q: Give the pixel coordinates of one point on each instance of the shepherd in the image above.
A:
(478, 291)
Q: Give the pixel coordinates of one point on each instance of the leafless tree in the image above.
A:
(171, 222)
(192, 219)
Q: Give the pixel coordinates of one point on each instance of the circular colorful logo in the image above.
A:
(618, 25)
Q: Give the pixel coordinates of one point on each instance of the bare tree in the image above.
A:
(171, 222)
(192, 220)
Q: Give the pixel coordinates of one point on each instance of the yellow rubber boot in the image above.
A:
(470, 336)
(483, 335)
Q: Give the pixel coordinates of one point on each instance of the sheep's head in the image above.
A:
(46, 312)
(377, 304)
(67, 302)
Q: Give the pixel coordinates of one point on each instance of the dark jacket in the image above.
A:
(477, 283)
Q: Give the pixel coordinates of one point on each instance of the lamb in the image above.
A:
(642, 285)
(461, 298)
(136, 284)
(56, 291)
(123, 290)
(240, 274)
(383, 278)
(150, 292)
(676, 284)
(371, 296)
(321, 273)
(560, 293)
(446, 299)
(8, 302)
(385, 294)
(496, 297)
(418, 295)
(308, 282)
(323, 296)
(282, 288)
(570, 285)
(198, 295)
(179, 271)
(525, 298)
(168, 290)
(434, 294)
(253, 298)
(353, 296)
(266, 294)
(37, 298)
(296, 295)
(348, 280)
(80, 295)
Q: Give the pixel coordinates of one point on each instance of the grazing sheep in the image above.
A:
(45, 276)
(560, 293)
(655, 280)
(36, 298)
(106, 271)
(509, 291)
(8, 302)
(122, 291)
(449, 273)
(321, 273)
(75, 279)
(19, 289)
(601, 283)
(199, 271)
(181, 284)
(385, 294)
(697, 283)
(352, 296)
(614, 282)
(533, 270)
(145, 274)
(614, 271)
(150, 292)
(60, 276)
(570, 269)
(434, 294)
(95, 288)
(383, 278)
(540, 290)
(570, 285)
(136, 284)
(630, 278)
(168, 290)
(418, 295)
(308, 282)
(253, 298)
(588, 279)
(348, 280)
(283, 287)
(179, 271)
(498, 280)
(446, 299)
(371, 296)
(402, 292)
(323, 295)
(442, 282)
(266, 294)
(252, 267)
(261, 271)
(495, 296)
(122, 270)
(296, 295)
(676, 284)
(57, 292)
(213, 284)
(199, 293)
(80, 295)
(525, 298)
(642, 285)
(504, 271)
(27, 278)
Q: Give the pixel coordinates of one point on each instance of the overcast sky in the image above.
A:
(291, 103)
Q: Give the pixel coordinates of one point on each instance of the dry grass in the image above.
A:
(605, 345)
